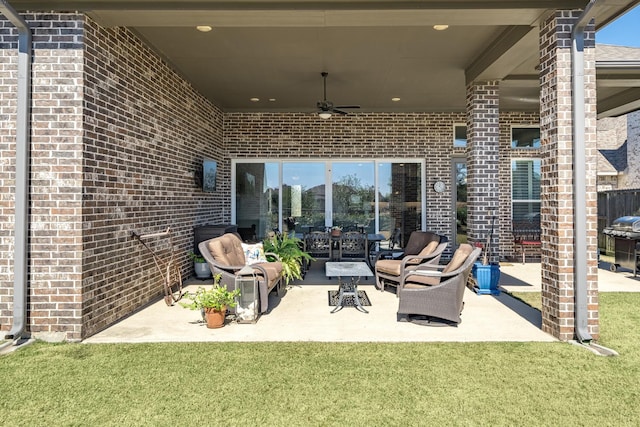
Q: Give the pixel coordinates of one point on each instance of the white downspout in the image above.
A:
(579, 174)
(20, 275)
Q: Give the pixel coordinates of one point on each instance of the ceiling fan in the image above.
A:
(326, 108)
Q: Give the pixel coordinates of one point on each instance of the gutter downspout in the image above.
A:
(579, 174)
(20, 277)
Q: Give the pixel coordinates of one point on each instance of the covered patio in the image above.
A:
(125, 117)
(303, 315)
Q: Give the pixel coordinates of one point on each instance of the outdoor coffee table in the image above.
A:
(354, 270)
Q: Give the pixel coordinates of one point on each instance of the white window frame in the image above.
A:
(514, 201)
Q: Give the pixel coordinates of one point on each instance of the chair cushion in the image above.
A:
(253, 253)
(388, 266)
(416, 281)
(418, 285)
(424, 252)
(227, 250)
(459, 257)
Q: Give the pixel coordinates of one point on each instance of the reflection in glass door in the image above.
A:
(377, 196)
(303, 196)
(257, 194)
(460, 201)
(353, 196)
(400, 198)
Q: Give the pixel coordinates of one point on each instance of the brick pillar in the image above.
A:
(557, 208)
(483, 159)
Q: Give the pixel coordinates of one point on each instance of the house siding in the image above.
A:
(632, 178)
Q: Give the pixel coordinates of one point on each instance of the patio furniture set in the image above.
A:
(338, 246)
(424, 287)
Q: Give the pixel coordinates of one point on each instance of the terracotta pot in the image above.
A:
(336, 233)
(214, 318)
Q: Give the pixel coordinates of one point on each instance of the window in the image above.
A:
(460, 135)
(525, 190)
(525, 137)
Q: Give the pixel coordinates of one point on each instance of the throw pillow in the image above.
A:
(253, 253)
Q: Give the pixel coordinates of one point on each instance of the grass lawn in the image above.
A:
(330, 384)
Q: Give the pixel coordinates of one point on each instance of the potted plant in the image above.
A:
(288, 249)
(200, 266)
(336, 231)
(485, 272)
(213, 302)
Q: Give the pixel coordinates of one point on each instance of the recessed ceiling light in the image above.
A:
(395, 99)
(440, 27)
(254, 99)
(272, 100)
(204, 28)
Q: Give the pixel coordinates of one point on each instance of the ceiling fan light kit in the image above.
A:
(326, 108)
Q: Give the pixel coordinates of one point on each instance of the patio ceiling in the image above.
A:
(373, 50)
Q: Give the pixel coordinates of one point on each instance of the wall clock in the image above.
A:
(439, 186)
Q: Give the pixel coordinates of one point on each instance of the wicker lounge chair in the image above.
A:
(437, 291)
(226, 257)
(423, 247)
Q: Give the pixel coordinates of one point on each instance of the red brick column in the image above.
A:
(483, 161)
(557, 208)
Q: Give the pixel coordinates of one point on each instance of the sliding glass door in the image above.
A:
(299, 196)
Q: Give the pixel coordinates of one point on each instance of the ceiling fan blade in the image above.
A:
(347, 106)
(335, 110)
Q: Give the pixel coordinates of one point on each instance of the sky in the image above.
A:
(622, 32)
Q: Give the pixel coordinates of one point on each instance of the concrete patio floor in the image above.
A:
(303, 314)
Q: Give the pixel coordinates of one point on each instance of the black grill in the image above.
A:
(626, 231)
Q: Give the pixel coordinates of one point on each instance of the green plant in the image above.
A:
(287, 248)
(217, 297)
(199, 259)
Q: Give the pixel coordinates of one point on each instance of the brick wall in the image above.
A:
(558, 293)
(55, 234)
(116, 139)
(362, 135)
(380, 135)
(483, 136)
